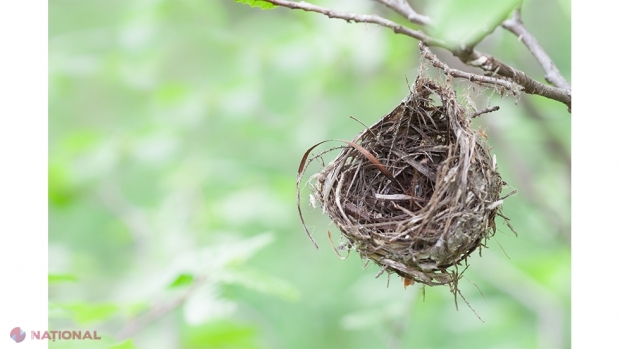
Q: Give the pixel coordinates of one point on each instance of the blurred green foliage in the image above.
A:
(464, 23)
(175, 133)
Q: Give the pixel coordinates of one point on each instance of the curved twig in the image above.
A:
(353, 17)
(552, 74)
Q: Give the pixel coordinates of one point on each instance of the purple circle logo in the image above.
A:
(18, 335)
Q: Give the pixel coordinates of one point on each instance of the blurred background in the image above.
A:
(175, 133)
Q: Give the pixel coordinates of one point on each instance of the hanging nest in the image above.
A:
(417, 192)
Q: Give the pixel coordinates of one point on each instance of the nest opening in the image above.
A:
(417, 192)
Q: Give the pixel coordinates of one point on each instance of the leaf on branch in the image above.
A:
(465, 23)
(258, 3)
(58, 278)
(182, 280)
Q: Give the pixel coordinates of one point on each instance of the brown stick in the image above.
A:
(485, 110)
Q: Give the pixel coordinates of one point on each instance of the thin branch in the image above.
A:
(467, 56)
(405, 10)
(485, 110)
(489, 63)
(530, 86)
(157, 312)
(347, 16)
(426, 53)
(552, 74)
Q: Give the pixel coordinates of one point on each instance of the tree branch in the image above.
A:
(490, 64)
(404, 9)
(530, 86)
(347, 16)
(468, 56)
(552, 74)
(426, 53)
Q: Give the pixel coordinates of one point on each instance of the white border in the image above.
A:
(23, 170)
(595, 175)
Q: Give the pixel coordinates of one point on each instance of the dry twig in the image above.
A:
(484, 111)
(426, 52)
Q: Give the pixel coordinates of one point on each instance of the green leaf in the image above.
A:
(182, 280)
(58, 278)
(128, 344)
(462, 23)
(258, 3)
(61, 190)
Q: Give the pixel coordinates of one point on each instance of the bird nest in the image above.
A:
(417, 192)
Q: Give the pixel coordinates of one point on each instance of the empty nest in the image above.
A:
(417, 192)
